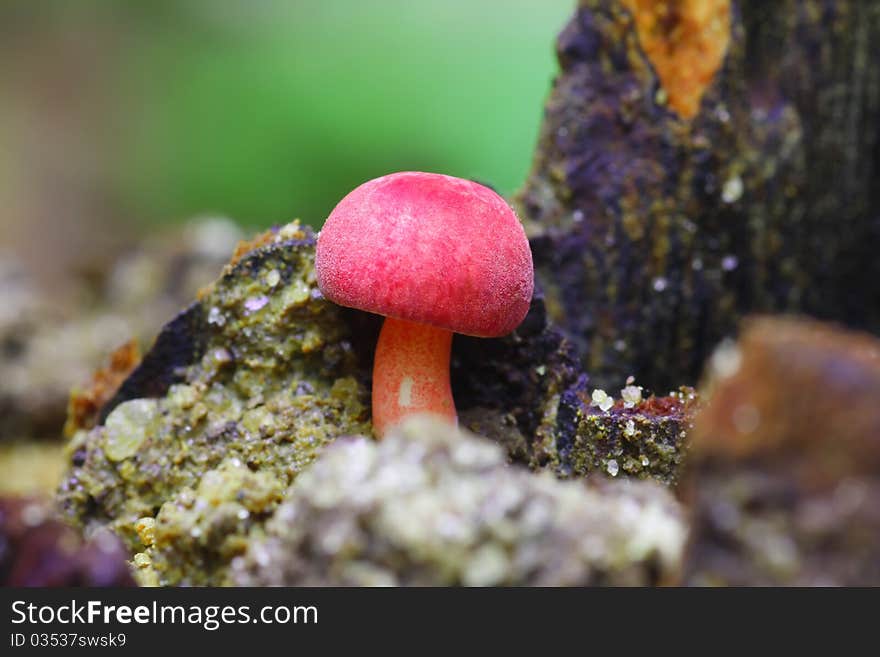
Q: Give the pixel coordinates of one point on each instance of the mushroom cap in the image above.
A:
(428, 248)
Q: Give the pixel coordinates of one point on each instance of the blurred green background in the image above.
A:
(264, 110)
(123, 123)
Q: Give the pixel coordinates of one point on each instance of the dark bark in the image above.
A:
(654, 233)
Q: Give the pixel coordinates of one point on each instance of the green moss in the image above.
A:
(196, 534)
(649, 447)
(643, 439)
(274, 381)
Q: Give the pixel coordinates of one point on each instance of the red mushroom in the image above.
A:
(435, 255)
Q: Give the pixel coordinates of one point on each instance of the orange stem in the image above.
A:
(411, 373)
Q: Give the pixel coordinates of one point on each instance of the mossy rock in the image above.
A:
(245, 386)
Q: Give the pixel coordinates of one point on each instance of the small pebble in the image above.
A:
(732, 190)
(602, 400)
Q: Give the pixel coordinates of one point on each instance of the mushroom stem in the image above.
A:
(411, 373)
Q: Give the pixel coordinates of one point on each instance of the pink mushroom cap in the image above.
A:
(428, 248)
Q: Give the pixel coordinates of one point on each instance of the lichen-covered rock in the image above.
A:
(784, 475)
(37, 549)
(592, 432)
(198, 532)
(432, 505)
(242, 390)
(257, 375)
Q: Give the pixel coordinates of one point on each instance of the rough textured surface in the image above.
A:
(261, 377)
(654, 233)
(592, 432)
(518, 378)
(243, 389)
(513, 388)
(85, 404)
(37, 549)
(783, 479)
(430, 505)
(685, 42)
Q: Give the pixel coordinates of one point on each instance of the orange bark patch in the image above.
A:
(85, 404)
(246, 246)
(686, 41)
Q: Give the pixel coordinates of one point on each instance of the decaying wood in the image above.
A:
(654, 230)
